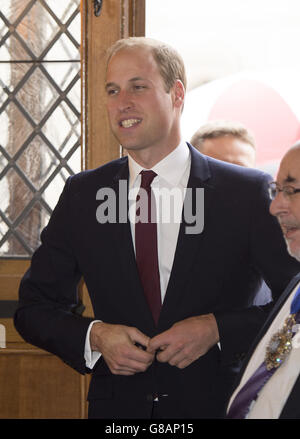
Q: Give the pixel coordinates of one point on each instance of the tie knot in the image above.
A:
(147, 178)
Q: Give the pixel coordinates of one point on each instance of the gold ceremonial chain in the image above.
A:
(280, 344)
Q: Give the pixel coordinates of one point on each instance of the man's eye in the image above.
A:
(111, 91)
(139, 87)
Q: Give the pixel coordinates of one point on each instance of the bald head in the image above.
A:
(295, 148)
(289, 169)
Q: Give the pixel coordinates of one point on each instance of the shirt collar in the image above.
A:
(171, 168)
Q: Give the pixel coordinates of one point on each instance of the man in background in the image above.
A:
(227, 141)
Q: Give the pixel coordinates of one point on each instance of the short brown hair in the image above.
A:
(169, 62)
(220, 128)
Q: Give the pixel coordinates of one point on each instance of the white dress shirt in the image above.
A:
(275, 392)
(172, 174)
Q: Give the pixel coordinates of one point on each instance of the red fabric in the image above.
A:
(146, 244)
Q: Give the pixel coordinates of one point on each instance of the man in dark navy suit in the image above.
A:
(173, 362)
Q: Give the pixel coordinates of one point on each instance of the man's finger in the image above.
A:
(138, 338)
(159, 342)
(169, 354)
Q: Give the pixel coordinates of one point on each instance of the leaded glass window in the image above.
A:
(40, 126)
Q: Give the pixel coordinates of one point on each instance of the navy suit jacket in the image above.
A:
(217, 271)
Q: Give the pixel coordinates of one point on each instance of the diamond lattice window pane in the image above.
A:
(37, 162)
(3, 98)
(62, 73)
(3, 162)
(12, 75)
(3, 29)
(37, 95)
(63, 9)
(74, 28)
(63, 49)
(4, 194)
(31, 226)
(13, 50)
(37, 28)
(75, 161)
(3, 228)
(74, 94)
(15, 195)
(13, 247)
(69, 132)
(12, 9)
(14, 129)
(53, 191)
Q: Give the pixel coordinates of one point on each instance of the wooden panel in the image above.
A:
(37, 385)
(11, 272)
(136, 18)
(12, 336)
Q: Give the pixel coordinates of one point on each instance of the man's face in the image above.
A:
(287, 208)
(142, 114)
(230, 149)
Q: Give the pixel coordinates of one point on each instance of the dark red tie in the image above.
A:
(146, 244)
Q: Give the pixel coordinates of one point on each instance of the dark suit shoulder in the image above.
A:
(220, 173)
(241, 185)
(102, 172)
(102, 176)
(230, 173)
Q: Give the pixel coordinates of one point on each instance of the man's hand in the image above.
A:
(117, 344)
(186, 341)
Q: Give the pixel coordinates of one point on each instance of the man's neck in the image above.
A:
(147, 158)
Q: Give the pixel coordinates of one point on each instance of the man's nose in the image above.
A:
(125, 101)
(280, 204)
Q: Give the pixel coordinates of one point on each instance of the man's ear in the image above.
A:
(179, 93)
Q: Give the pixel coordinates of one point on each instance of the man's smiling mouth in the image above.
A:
(289, 229)
(128, 123)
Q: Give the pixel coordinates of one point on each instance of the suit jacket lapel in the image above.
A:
(188, 244)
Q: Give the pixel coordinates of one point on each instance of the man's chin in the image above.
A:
(295, 253)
